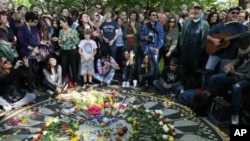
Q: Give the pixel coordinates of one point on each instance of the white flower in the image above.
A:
(147, 110)
(165, 128)
(55, 120)
(105, 119)
(165, 137)
(160, 123)
(45, 132)
(172, 126)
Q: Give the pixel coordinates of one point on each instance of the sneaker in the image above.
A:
(50, 92)
(65, 87)
(235, 119)
(127, 84)
(123, 84)
(103, 84)
(84, 86)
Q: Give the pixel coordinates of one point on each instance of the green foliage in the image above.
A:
(122, 5)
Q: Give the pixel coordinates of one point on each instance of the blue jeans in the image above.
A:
(105, 78)
(127, 74)
(159, 85)
(237, 87)
(110, 49)
(212, 62)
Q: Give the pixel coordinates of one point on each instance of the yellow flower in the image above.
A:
(78, 107)
(101, 103)
(70, 131)
(24, 121)
(111, 99)
(74, 138)
(49, 122)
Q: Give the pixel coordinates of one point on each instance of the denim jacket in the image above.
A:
(158, 38)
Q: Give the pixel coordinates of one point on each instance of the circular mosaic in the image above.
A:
(107, 115)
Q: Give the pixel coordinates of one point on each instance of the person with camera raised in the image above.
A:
(12, 94)
(152, 37)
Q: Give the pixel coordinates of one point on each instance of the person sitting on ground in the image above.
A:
(106, 66)
(128, 69)
(146, 72)
(12, 95)
(236, 76)
(52, 72)
(87, 51)
(169, 81)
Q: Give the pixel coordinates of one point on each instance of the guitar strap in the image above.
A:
(230, 22)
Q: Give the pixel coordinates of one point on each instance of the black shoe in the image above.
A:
(30, 89)
(103, 84)
(145, 88)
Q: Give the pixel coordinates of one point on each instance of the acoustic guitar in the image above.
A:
(224, 42)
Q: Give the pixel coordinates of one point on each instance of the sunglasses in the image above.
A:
(97, 15)
(98, 7)
(171, 21)
(237, 13)
(172, 65)
(153, 15)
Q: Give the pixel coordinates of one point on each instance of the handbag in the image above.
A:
(12, 95)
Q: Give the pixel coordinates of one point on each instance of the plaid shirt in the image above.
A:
(101, 66)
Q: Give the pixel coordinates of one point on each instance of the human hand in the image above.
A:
(111, 42)
(18, 64)
(156, 51)
(131, 54)
(168, 54)
(26, 61)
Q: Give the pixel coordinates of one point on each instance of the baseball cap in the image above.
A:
(197, 5)
(173, 61)
(234, 8)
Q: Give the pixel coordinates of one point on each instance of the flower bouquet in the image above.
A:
(58, 129)
(148, 125)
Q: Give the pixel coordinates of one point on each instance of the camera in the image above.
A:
(150, 38)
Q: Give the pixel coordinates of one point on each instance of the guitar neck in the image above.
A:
(232, 37)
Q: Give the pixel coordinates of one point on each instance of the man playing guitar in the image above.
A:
(225, 55)
(237, 78)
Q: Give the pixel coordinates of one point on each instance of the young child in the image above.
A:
(87, 51)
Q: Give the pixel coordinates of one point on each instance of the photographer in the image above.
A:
(12, 94)
(152, 37)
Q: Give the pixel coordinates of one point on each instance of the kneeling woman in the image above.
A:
(11, 93)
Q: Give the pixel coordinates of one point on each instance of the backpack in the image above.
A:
(201, 103)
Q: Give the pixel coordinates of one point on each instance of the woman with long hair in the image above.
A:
(146, 72)
(213, 19)
(170, 48)
(52, 72)
(128, 67)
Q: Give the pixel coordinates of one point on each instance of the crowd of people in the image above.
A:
(157, 48)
